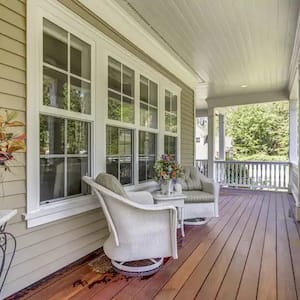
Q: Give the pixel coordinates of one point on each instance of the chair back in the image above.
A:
(97, 189)
(191, 179)
(115, 207)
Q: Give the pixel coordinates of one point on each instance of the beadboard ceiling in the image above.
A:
(227, 43)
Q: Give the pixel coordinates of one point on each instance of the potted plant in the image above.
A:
(167, 170)
(11, 140)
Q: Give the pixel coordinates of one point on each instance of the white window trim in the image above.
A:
(104, 47)
(38, 214)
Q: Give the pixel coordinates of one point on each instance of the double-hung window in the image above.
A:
(119, 139)
(65, 134)
(149, 122)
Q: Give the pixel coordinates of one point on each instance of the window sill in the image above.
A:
(58, 210)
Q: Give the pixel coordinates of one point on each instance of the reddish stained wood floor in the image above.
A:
(252, 251)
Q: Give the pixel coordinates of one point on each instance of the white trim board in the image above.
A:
(252, 98)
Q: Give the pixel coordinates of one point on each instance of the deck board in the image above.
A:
(195, 281)
(250, 276)
(231, 281)
(267, 279)
(285, 277)
(252, 251)
(210, 288)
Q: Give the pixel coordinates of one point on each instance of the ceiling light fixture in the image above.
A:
(244, 85)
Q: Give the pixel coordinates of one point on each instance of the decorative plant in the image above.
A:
(167, 169)
(10, 140)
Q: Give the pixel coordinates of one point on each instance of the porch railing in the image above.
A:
(202, 165)
(252, 174)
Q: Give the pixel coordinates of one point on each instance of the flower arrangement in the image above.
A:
(167, 169)
(10, 139)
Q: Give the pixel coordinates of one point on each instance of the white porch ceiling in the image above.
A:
(228, 43)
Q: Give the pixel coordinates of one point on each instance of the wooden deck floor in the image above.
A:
(252, 251)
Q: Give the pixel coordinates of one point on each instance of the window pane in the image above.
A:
(112, 166)
(52, 135)
(119, 157)
(80, 96)
(174, 104)
(55, 89)
(51, 178)
(144, 89)
(150, 167)
(173, 123)
(128, 81)
(147, 155)
(153, 117)
(153, 93)
(144, 115)
(167, 121)
(167, 101)
(126, 175)
(77, 167)
(77, 137)
(142, 148)
(128, 110)
(114, 106)
(170, 146)
(112, 140)
(125, 141)
(55, 50)
(147, 143)
(114, 74)
(80, 58)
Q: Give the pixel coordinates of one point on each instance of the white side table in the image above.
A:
(176, 200)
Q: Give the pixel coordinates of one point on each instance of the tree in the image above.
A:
(261, 130)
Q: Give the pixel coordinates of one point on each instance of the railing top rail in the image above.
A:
(253, 162)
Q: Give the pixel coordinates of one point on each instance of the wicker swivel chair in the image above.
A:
(138, 232)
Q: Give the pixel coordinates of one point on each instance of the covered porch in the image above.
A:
(250, 252)
(109, 86)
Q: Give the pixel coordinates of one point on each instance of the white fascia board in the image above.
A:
(125, 24)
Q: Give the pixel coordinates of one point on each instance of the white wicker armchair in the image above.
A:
(138, 232)
(202, 196)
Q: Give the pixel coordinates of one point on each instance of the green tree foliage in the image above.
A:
(260, 131)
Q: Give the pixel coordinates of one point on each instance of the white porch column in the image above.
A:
(221, 137)
(297, 212)
(211, 142)
(293, 131)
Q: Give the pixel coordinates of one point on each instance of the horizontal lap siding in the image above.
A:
(44, 249)
(47, 248)
(187, 127)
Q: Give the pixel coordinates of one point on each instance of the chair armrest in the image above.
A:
(142, 197)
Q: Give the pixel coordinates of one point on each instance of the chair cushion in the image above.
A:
(191, 179)
(198, 197)
(112, 183)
